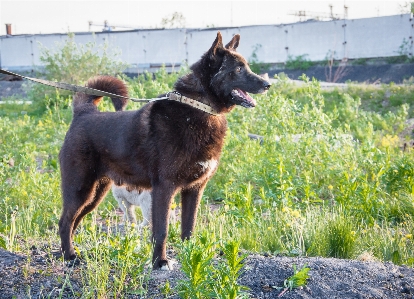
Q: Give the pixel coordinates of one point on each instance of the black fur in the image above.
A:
(166, 146)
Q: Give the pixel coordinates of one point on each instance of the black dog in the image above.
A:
(166, 146)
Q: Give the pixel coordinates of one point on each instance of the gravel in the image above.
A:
(42, 274)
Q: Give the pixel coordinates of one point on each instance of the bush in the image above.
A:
(72, 63)
(298, 62)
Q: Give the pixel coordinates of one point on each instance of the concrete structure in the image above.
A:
(148, 49)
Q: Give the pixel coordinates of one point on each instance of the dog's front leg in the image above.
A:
(162, 194)
(190, 200)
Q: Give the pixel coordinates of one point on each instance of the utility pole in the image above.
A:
(331, 11)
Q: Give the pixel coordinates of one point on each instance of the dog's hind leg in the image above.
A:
(73, 203)
(102, 187)
(76, 204)
(162, 195)
(190, 200)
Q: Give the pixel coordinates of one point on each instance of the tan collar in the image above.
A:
(176, 96)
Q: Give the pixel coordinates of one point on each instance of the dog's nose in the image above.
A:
(266, 85)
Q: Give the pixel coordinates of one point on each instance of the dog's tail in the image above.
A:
(104, 83)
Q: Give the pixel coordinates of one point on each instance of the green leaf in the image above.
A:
(2, 242)
(298, 279)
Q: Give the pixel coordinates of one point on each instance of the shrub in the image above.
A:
(399, 178)
(72, 63)
(360, 61)
(298, 63)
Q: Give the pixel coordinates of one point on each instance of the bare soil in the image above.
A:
(11, 88)
(43, 275)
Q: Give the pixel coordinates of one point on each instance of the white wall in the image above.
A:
(148, 49)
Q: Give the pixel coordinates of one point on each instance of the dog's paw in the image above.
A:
(165, 265)
(74, 262)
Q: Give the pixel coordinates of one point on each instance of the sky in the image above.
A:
(62, 16)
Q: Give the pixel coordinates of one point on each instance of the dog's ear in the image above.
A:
(217, 44)
(234, 43)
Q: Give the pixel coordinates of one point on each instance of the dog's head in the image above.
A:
(230, 77)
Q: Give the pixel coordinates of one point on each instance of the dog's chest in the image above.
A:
(206, 168)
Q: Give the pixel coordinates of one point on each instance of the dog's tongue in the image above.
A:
(247, 97)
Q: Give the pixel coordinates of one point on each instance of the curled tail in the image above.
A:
(104, 83)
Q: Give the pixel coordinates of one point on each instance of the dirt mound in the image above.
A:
(42, 275)
(330, 278)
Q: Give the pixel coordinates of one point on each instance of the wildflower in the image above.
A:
(353, 233)
(389, 140)
(285, 209)
(133, 225)
(269, 227)
(173, 205)
(330, 187)
(295, 214)
(408, 236)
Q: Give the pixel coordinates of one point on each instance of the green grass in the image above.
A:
(209, 277)
(328, 180)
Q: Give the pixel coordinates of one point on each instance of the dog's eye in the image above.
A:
(238, 69)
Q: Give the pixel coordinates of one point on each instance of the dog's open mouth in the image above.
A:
(243, 98)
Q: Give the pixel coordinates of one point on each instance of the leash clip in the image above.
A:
(177, 94)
